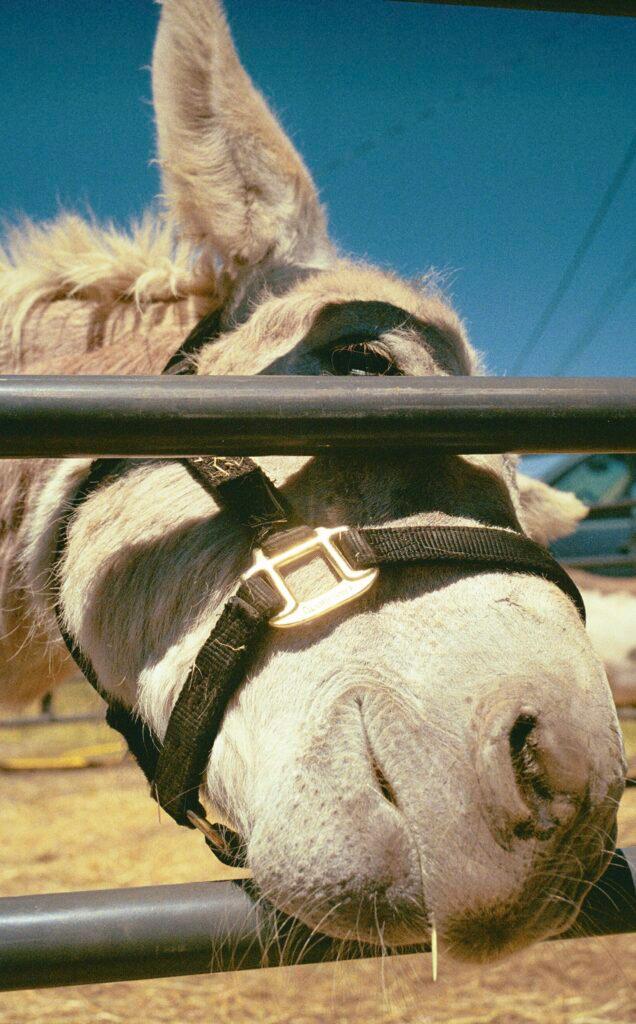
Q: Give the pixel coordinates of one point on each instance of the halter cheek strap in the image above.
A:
(175, 768)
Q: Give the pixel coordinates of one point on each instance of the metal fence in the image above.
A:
(77, 938)
(161, 931)
(275, 415)
(609, 8)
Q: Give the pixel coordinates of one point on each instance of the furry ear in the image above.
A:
(546, 513)
(232, 179)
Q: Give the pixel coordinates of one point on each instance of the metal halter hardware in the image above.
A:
(351, 583)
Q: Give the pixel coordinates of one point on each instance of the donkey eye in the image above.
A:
(361, 359)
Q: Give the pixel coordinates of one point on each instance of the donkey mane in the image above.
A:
(73, 258)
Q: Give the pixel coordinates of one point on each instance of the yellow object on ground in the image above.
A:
(95, 756)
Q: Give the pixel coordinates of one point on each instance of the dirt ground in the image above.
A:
(97, 827)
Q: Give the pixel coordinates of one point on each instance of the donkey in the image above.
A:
(378, 763)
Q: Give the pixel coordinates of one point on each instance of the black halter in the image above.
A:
(175, 767)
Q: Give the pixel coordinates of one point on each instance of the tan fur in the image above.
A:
(424, 679)
(548, 513)
(232, 178)
(611, 621)
(70, 258)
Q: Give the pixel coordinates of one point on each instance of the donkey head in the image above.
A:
(445, 749)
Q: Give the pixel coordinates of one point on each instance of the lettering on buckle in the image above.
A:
(352, 582)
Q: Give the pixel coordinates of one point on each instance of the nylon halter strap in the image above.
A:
(175, 768)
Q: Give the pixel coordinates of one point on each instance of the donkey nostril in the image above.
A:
(533, 770)
(525, 753)
(542, 778)
(531, 779)
(385, 786)
(520, 732)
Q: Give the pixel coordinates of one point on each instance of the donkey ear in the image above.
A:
(546, 513)
(232, 179)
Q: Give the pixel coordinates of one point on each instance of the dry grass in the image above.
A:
(98, 828)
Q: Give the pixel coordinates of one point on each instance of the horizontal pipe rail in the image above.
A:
(172, 416)
(162, 931)
(616, 8)
(612, 509)
(600, 562)
(25, 721)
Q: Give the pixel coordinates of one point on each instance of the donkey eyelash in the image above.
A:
(362, 359)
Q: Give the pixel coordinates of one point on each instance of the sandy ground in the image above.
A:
(97, 828)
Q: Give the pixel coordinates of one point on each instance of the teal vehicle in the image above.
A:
(605, 541)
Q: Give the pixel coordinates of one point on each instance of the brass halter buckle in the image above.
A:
(351, 583)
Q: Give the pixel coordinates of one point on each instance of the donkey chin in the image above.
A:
(355, 837)
(379, 889)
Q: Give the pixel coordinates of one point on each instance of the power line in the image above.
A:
(611, 298)
(574, 264)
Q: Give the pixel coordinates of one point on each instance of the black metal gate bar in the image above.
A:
(624, 8)
(600, 562)
(168, 417)
(162, 931)
(36, 720)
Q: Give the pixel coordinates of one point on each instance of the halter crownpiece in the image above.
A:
(175, 768)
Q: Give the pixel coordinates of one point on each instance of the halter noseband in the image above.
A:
(175, 767)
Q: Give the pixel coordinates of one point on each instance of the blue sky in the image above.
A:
(476, 141)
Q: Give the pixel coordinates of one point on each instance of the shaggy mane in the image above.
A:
(71, 258)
